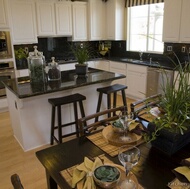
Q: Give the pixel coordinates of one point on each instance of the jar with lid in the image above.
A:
(36, 66)
(54, 72)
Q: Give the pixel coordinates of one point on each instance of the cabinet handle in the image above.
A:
(16, 105)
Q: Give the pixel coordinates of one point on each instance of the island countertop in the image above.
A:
(22, 87)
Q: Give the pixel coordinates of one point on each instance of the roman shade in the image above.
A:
(130, 3)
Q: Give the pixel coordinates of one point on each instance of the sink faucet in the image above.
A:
(150, 60)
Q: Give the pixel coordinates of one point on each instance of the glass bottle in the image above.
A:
(54, 72)
(36, 66)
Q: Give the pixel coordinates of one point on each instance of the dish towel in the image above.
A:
(83, 173)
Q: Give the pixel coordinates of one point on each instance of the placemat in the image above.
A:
(103, 144)
(67, 173)
(176, 184)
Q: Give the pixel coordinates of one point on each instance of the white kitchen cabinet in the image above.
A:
(121, 68)
(22, 73)
(45, 18)
(115, 20)
(96, 11)
(65, 67)
(3, 14)
(136, 81)
(79, 13)
(3, 104)
(63, 18)
(103, 65)
(171, 25)
(176, 29)
(23, 21)
(185, 24)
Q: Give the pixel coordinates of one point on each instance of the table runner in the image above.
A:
(67, 173)
(101, 142)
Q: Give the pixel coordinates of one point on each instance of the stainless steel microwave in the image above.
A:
(5, 45)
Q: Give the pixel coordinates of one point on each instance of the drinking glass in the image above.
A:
(140, 55)
(129, 156)
(125, 119)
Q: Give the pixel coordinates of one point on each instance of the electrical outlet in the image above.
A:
(26, 50)
(183, 49)
(169, 48)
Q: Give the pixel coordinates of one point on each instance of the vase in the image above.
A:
(81, 69)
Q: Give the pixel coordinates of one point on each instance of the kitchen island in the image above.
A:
(30, 111)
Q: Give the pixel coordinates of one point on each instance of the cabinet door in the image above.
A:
(79, 21)
(136, 81)
(185, 24)
(3, 14)
(172, 17)
(23, 21)
(63, 18)
(97, 20)
(45, 18)
(103, 65)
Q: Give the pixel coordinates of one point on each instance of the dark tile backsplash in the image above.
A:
(60, 48)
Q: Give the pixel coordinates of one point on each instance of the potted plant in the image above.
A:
(21, 58)
(82, 55)
(172, 129)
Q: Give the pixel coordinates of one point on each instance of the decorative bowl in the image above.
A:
(117, 126)
(106, 176)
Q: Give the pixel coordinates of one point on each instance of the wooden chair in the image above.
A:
(139, 107)
(89, 124)
(16, 182)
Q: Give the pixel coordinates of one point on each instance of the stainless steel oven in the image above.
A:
(6, 72)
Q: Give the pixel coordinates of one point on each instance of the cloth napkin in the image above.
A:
(83, 173)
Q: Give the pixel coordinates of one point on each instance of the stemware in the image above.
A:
(129, 156)
(125, 119)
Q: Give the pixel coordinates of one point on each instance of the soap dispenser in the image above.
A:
(54, 72)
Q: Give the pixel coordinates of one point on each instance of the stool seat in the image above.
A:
(112, 89)
(56, 104)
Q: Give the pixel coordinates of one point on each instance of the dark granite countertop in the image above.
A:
(22, 87)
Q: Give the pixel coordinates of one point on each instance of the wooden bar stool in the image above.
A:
(57, 103)
(113, 89)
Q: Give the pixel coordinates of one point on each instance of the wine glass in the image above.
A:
(125, 119)
(129, 156)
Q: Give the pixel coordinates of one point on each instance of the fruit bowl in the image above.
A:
(106, 176)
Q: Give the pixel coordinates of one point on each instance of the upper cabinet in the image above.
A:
(3, 14)
(23, 21)
(97, 15)
(54, 18)
(79, 13)
(63, 18)
(115, 20)
(176, 29)
(45, 18)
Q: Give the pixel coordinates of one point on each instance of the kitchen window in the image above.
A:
(145, 24)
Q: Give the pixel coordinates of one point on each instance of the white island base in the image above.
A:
(31, 117)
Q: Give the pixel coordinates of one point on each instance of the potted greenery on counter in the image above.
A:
(172, 129)
(82, 54)
(21, 58)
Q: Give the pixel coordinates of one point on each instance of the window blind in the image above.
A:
(130, 3)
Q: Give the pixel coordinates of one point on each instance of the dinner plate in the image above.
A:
(122, 178)
(115, 138)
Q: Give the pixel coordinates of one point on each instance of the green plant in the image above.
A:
(82, 53)
(175, 103)
(107, 173)
(20, 54)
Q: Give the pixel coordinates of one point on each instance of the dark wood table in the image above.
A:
(154, 169)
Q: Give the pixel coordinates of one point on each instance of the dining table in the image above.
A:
(153, 171)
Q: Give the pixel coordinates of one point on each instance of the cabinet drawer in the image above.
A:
(118, 65)
(136, 68)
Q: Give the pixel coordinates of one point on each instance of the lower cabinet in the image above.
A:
(136, 81)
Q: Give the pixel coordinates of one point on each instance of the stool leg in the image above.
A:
(76, 118)
(124, 98)
(99, 104)
(82, 114)
(109, 103)
(52, 124)
(114, 101)
(59, 124)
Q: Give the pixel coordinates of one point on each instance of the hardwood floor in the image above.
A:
(14, 160)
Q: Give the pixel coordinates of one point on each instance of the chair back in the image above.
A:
(88, 124)
(16, 182)
(138, 107)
